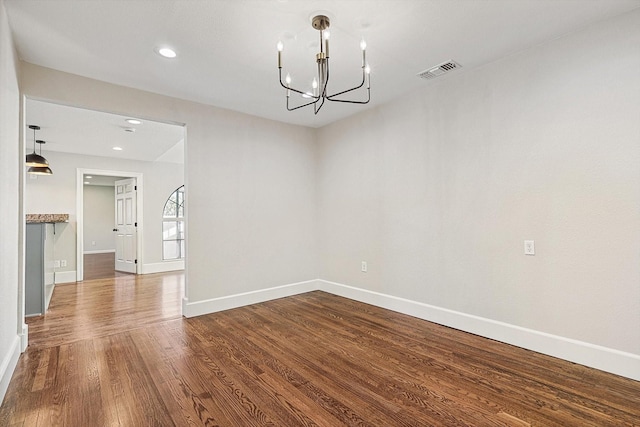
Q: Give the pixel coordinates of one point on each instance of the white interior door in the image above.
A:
(126, 224)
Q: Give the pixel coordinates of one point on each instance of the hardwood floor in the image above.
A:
(126, 357)
(101, 266)
(95, 308)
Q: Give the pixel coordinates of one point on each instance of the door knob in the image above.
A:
(115, 229)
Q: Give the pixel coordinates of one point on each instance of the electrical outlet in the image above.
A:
(63, 263)
(364, 266)
(529, 247)
(56, 263)
(93, 243)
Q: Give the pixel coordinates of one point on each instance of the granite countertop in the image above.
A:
(41, 218)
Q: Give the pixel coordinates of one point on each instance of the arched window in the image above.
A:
(173, 226)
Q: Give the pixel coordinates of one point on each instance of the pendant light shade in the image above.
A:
(34, 159)
(40, 170)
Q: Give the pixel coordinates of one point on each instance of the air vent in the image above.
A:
(439, 70)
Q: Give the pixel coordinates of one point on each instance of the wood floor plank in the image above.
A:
(116, 352)
(404, 400)
(101, 266)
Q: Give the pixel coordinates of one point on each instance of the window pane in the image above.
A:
(169, 209)
(180, 202)
(180, 229)
(173, 226)
(171, 249)
(171, 230)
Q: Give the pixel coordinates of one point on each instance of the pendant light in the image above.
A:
(40, 170)
(34, 159)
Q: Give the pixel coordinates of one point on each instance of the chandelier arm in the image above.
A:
(349, 90)
(299, 106)
(326, 81)
(353, 102)
(321, 104)
(296, 90)
(323, 94)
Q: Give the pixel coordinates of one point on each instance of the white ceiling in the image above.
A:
(101, 180)
(227, 48)
(94, 133)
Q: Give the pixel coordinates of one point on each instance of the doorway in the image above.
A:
(82, 141)
(133, 244)
(101, 233)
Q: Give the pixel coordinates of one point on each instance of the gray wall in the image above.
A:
(99, 218)
(437, 191)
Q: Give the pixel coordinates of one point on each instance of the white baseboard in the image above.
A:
(162, 267)
(8, 365)
(65, 276)
(103, 251)
(24, 338)
(595, 356)
(192, 309)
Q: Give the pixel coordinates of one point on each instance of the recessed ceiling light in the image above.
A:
(167, 52)
(133, 121)
(88, 176)
(117, 148)
(87, 182)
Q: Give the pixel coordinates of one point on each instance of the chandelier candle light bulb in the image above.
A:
(280, 47)
(326, 42)
(288, 80)
(367, 70)
(363, 46)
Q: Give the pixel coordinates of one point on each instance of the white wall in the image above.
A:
(57, 194)
(250, 185)
(10, 224)
(437, 191)
(99, 218)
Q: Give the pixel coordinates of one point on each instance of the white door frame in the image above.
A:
(80, 173)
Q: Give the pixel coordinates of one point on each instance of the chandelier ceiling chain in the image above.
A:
(319, 94)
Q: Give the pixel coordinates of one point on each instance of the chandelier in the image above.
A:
(319, 93)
